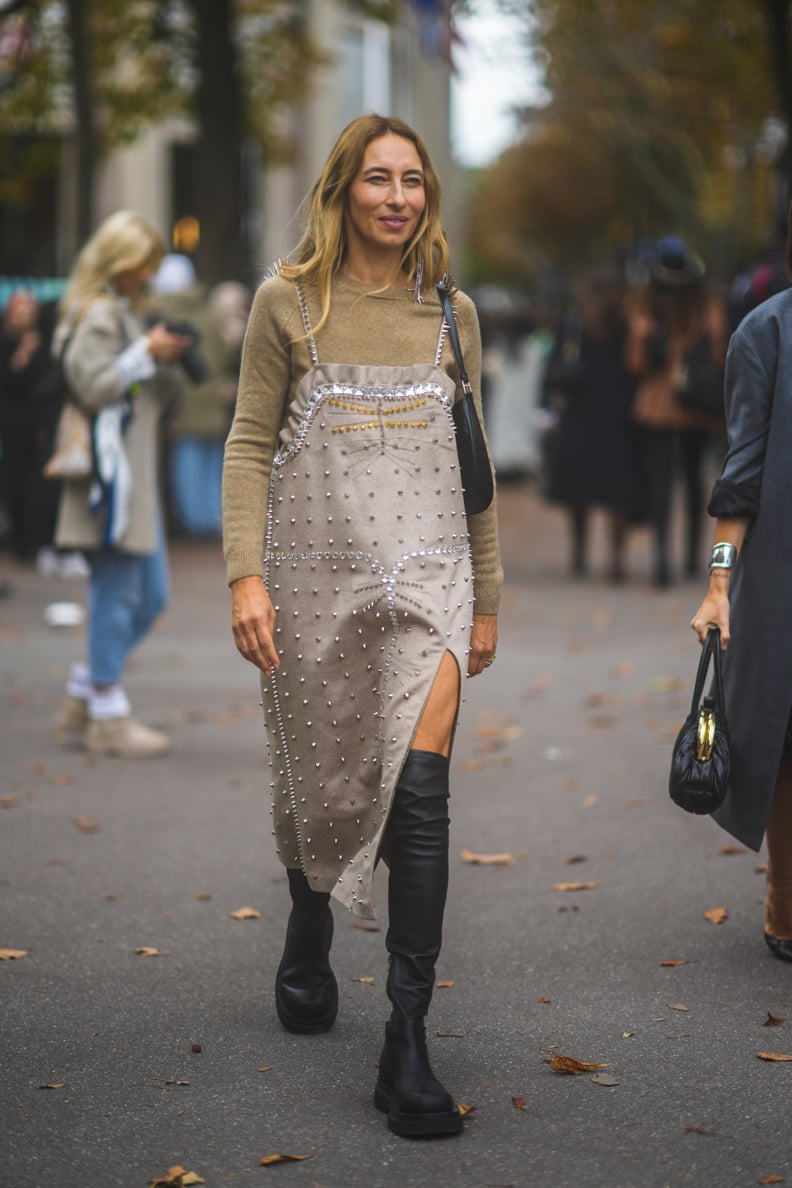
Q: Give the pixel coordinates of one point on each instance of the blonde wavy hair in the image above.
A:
(124, 242)
(321, 251)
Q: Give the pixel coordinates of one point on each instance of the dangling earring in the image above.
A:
(419, 272)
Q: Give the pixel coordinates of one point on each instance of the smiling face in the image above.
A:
(385, 202)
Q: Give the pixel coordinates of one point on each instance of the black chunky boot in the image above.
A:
(306, 992)
(407, 1090)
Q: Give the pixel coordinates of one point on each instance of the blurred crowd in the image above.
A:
(194, 425)
(615, 404)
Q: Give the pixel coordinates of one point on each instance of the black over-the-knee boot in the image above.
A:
(417, 843)
(306, 992)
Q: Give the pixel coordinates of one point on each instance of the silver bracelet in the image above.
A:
(723, 556)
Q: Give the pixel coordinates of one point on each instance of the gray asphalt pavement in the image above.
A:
(560, 764)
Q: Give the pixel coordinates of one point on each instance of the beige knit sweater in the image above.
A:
(387, 328)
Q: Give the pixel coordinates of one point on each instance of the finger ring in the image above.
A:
(488, 662)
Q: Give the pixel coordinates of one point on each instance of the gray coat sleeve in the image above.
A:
(90, 357)
(751, 365)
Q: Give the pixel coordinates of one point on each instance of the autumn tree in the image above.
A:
(654, 119)
(107, 69)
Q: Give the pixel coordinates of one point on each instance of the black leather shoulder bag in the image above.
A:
(478, 485)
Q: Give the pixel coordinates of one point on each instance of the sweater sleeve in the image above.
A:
(264, 383)
(483, 528)
(750, 380)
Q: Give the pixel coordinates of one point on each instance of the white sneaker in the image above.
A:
(47, 561)
(125, 737)
(73, 565)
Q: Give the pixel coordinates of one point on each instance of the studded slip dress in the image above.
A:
(368, 565)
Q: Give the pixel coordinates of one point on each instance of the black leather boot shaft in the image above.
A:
(306, 992)
(417, 844)
(417, 840)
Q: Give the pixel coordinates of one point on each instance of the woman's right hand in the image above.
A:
(714, 610)
(253, 623)
(166, 346)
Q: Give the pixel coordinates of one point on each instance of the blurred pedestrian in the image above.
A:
(378, 593)
(516, 372)
(750, 597)
(673, 314)
(23, 366)
(116, 371)
(592, 453)
(198, 422)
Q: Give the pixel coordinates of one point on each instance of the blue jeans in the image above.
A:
(196, 465)
(126, 592)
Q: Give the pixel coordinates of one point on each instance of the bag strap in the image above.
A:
(450, 320)
(710, 649)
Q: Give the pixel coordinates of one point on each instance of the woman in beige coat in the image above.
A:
(115, 373)
(378, 594)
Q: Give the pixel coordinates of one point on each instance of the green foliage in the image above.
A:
(144, 64)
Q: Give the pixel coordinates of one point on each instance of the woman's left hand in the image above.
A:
(483, 642)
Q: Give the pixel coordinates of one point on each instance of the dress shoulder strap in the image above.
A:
(441, 337)
(306, 321)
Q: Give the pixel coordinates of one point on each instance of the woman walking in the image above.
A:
(750, 596)
(115, 373)
(378, 594)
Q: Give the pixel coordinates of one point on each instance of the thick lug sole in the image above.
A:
(306, 1026)
(415, 1125)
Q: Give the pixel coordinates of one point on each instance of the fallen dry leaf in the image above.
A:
(8, 801)
(678, 1006)
(519, 1103)
(575, 858)
(13, 954)
(56, 1085)
(450, 1034)
(773, 1020)
(775, 1056)
(575, 886)
(773, 1179)
(732, 849)
(269, 1160)
(196, 1048)
(246, 913)
(590, 801)
(604, 1079)
(174, 1082)
(443, 985)
(177, 1177)
(673, 961)
(86, 824)
(697, 1130)
(147, 951)
(568, 1064)
(761, 869)
(544, 999)
(367, 927)
(202, 896)
(487, 859)
(264, 1068)
(365, 981)
(465, 1109)
(717, 915)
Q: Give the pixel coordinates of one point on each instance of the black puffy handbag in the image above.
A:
(700, 762)
(474, 465)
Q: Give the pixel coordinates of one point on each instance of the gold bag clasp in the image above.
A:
(705, 739)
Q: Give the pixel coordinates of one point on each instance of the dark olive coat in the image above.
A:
(757, 481)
